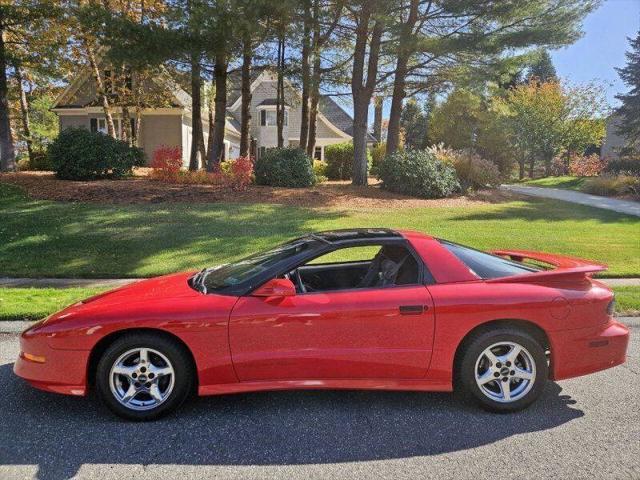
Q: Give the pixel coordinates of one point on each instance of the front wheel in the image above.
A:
(142, 376)
(503, 370)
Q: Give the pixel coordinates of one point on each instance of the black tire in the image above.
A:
(183, 382)
(465, 374)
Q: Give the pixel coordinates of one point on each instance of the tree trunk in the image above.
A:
(24, 111)
(211, 117)
(7, 152)
(306, 74)
(280, 92)
(245, 107)
(521, 163)
(362, 92)
(393, 131)
(400, 76)
(532, 163)
(216, 155)
(197, 137)
(101, 90)
(137, 127)
(313, 108)
(377, 119)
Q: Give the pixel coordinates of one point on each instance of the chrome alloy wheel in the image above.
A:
(141, 379)
(505, 372)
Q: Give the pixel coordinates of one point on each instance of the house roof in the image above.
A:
(270, 101)
(336, 115)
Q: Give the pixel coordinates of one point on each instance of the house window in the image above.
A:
(110, 81)
(317, 153)
(102, 126)
(269, 118)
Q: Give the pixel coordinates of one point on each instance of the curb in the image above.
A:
(14, 327)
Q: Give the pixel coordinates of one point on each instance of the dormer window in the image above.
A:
(269, 118)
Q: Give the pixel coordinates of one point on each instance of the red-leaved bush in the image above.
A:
(166, 163)
(241, 173)
(586, 165)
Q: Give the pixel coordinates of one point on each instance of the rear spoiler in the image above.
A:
(565, 267)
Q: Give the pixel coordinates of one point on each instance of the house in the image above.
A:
(613, 141)
(171, 124)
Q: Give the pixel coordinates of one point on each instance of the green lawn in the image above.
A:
(568, 183)
(37, 303)
(628, 300)
(61, 239)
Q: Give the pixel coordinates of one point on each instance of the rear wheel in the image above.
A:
(503, 370)
(143, 376)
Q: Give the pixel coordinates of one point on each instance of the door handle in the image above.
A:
(412, 309)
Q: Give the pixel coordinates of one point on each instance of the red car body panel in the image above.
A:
(342, 339)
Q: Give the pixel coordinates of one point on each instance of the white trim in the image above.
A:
(115, 110)
(253, 86)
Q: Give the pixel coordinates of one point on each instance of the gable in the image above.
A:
(82, 91)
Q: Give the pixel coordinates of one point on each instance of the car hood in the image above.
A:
(159, 288)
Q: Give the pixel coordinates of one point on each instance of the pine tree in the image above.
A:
(629, 111)
(542, 69)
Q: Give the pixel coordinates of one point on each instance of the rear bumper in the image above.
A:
(62, 371)
(587, 350)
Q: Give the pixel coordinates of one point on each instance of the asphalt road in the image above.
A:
(582, 428)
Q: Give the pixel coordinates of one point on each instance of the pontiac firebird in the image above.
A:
(345, 309)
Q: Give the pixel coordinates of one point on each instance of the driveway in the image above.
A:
(582, 428)
(620, 206)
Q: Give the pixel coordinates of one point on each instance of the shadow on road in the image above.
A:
(60, 434)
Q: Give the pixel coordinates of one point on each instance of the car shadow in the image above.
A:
(59, 434)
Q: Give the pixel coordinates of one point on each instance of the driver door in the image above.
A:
(350, 333)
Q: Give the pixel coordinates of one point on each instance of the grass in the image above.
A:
(566, 182)
(64, 239)
(628, 300)
(37, 303)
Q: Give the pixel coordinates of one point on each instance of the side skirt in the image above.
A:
(327, 384)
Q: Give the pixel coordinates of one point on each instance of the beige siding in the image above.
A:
(73, 121)
(159, 130)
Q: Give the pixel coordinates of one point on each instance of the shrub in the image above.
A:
(377, 154)
(625, 165)
(284, 167)
(339, 158)
(39, 161)
(320, 171)
(586, 165)
(166, 162)
(23, 165)
(418, 173)
(78, 154)
(613, 185)
(240, 174)
(474, 172)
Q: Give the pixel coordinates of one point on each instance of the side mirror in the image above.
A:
(276, 287)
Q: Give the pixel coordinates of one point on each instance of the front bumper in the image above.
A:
(63, 371)
(587, 350)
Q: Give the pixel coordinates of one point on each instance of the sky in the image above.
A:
(595, 55)
(602, 47)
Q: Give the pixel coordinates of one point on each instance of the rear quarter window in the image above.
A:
(485, 265)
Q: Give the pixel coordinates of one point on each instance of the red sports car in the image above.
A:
(356, 309)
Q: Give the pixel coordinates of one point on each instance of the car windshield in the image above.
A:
(231, 274)
(485, 265)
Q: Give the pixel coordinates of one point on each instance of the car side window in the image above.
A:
(370, 266)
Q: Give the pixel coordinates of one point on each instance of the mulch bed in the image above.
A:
(141, 189)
